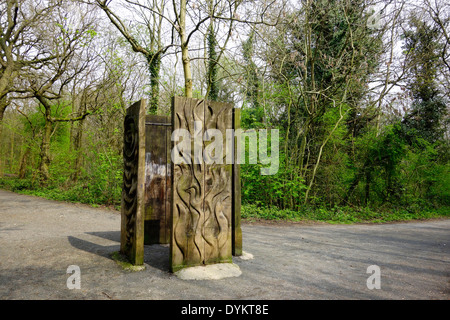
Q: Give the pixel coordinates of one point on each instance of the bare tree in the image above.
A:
(69, 36)
(21, 46)
(152, 16)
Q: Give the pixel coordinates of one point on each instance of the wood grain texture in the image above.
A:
(201, 196)
(157, 180)
(132, 208)
(187, 192)
(217, 203)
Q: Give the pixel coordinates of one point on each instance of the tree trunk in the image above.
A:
(213, 93)
(11, 154)
(184, 51)
(77, 147)
(24, 162)
(368, 180)
(3, 106)
(154, 64)
(44, 164)
(320, 155)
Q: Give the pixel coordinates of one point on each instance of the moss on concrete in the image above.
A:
(123, 262)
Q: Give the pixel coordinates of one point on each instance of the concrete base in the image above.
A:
(246, 256)
(210, 272)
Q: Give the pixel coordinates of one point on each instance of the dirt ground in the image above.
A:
(40, 239)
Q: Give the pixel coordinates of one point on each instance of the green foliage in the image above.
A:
(103, 187)
(344, 157)
(272, 190)
(422, 48)
(425, 120)
(427, 179)
(16, 185)
(100, 182)
(342, 215)
(103, 180)
(251, 117)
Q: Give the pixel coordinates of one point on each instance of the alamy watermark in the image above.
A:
(74, 281)
(374, 281)
(211, 147)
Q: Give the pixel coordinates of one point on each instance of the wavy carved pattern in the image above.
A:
(217, 201)
(132, 227)
(202, 193)
(188, 193)
(130, 159)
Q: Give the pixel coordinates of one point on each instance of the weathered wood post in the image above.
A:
(205, 209)
(132, 208)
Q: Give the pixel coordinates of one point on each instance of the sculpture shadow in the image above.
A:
(156, 255)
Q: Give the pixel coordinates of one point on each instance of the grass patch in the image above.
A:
(343, 215)
(76, 193)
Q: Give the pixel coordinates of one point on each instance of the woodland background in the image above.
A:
(358, 89)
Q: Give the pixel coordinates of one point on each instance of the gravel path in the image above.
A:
(40, 239)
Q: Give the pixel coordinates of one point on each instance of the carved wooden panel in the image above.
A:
(202, 193)
(217, 202)
(132, 208)
(157, 179)
(187, 244)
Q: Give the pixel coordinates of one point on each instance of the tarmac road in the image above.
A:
(40, 239)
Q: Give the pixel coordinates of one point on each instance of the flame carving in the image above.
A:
(202, 193)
